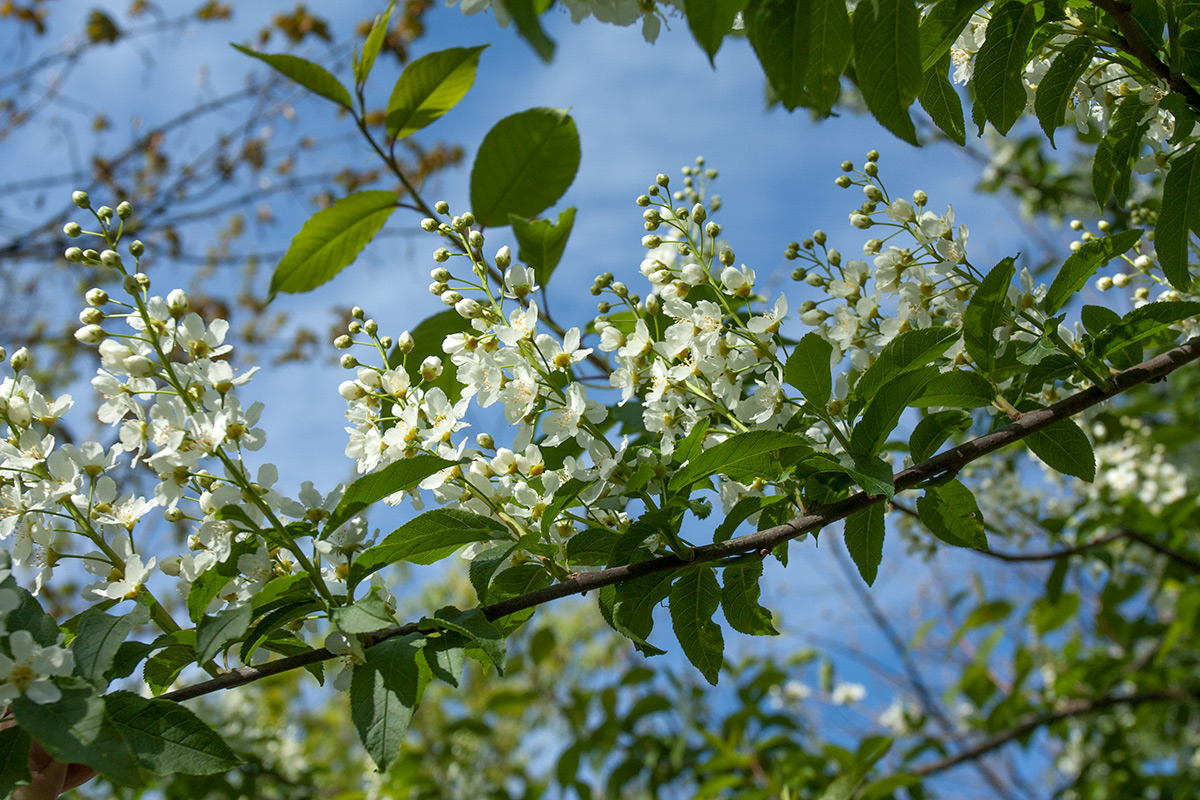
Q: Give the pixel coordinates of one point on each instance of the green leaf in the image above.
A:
(1143, 323)
(380, 716)
(830, 43)
(313, 77)
(942, 26)
(740, 456)
(514, 582)
(1001, 61)
(958, 388)
(745, 508)
(887, 57)
(864, 531)
(97, 640)
(541, 242)
(1065, 447)
(933, 430)
(739, 600)
(28, 615)
(14, 759)
(331, 239)
(807, 369)
(590, 548)
(1081, 265)
(951, 514)
(168, 738)
(1096, 318)
(273, 621)
(779, 32)
(425, 539)
(985, 614)
(694, 600)
(397, 476)
(633, 608)
(161, 670)
(872, 473)
(399, 662)
(475, 626)
(1180, 216)
(373, 44)
(446, 657)
(1149, 21)
(525, 15)
(365, 615)
(77, 730)
(428, 338)
(1048, 615)
(1056, 87)
(988, 310)
(1118, 151)
(524, 164)
(942, 103)
(711, 21)
(883, 412)
(908, 351)
(484, 566)
(218, 630)
(429, 87)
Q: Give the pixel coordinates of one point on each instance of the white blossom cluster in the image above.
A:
(27, 668)
(651, 13)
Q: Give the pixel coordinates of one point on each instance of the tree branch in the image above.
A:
(1136, 46)
(763, 541)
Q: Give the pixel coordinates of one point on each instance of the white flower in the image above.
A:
(847, 693)
(31, 669)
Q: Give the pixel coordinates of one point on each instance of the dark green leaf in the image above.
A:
(1142, 323)
(161, 669)
(397, 476)
(959, 389)
(367, 614)
(1096, 318)
(29, 616)
(311, 76)
(218, 630)
(1056, 87)
(380, 716)
(541, 242)
(590, 548)
(524, 165)
(429, 87)
(807, 369)
(694, 600)
(741, 455)
(883, 412)
(1146, 14)
(942, 26)
(1082, 265)
(476, 627)
(1118, 151)
(1065, 447)
(399, 662)
(779, 32)
(745, 508)
(1180, 216)
(446, 657)
(711, 21)
(514, 582)
(988, 310)
(128, 656)
(830, 44)
(864, 531)
(525, 15)
(1001, 61)
(425, 539)
(887, 57)
(168, 738)
(935, 429)
(633, 608)
(331, 239)
(98, 638)
(942, 103)
(951, 514)
(985, 614)
(271, 623)
(870, 472)
(484, 566)
(1048, 615)
(908, 351)
(739, 600)
(373, 44)
(14, 759)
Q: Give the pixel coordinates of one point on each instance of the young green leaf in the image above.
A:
(883, 412)
(373, 44)
(1065, 447)
(514, 582)
(218, 630)
(401, 664)
(933, 430)
(167, 738)
(425, 539)
(330, 240)
(958, 388)
(1180, 216)
(988, 310)
(525, 15)
(398, 476)
(748, 454)
(524, 164)
(1001, 61)
(951, 514)
(380, 716)
(1081, 265)
(807, 369)
(694, 600)
(313, 77)
(484, 566)
(864, 531)
(1055, 89)
(739, 600)
(1143, 323)
(429, 87)
(368, 613)
(541, 242)
(908, 351)
(161, 670)
(942, 103)
(1118, 151)
(887, 58)
(711, 21)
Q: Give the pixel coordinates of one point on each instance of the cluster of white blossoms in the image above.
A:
(615, 12)
(1131, 465)
(27, 668)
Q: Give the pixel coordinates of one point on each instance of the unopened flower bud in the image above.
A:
(650, 242)
(1143, 262)
(91, 316)
(74, 255)
(1076, 225)
(72, 229)
(799, 274)
(20, 359)
(91, 256)
(813, 279)
(441, 207)
(139, 366)
(80, 199)
(441, 254)
(467, 308)
(475, 240)
(96, 297)
(130, 285)
(136, 248)
(371, 327)
(920, 198)
(1104, 225)
(177, 303)
(171, 565)
(727, 257)
(834, 256)
(872, 247)
(110, 258)
(699, 214)
(873, 192)
(124, 209)
(351, 390)
(348, 361)
(343, 342)
(429, 225)
(1120, 280)
(468, 219)
(503, 257)
(871, 170)
(842, 181)
(406, 343)
(485, 441)
(437, 287)
(860, 220)
(104, 212)
(431, 368)
(643, 200)
(385, 342)
(662, 180)
(143, 280)
(355, 327)
(620, 289)
(653, 304)
(451, 297)
(90, 334)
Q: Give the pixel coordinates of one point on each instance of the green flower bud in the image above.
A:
(727, 257)
(406, 343)
(355, 327)
(74, 255)
(468, 219)
(90, 334)
(503, 257)
(429, 225)
(177, 303)
(834, 257)
(348, 361)
(847, 166)
(662, 180)
(80, 199)
(72, 229)
(475, 240)
(871, 170)
(343, 342)
(96, 297)
(441, 255)
(872, 192)
(124, 209)
(110, 258)
(643, 200)
(91, 316)
(104, 212)
(650, 242)
(842, 181)
(371, 327)
(136, 248)
(21, 359)
(873, 156)
(920, 198)
(485, 441)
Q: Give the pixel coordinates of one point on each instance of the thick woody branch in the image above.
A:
(1136, 45)
(762, 542)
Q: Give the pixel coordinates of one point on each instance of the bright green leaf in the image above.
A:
(908, 351)
(1081, 265)
(711, 21)
(476, 627)
(397, 476)
(425, 539)
(168, 738)
(933, 430)
(524, 164)
(988, 310)
(738, 456)
(1118, 151)
(882, 414)
(1180, 216)
(541, 242)
(218, 630)
(373, 44)
(380, 716)
(941, 27)
(959, 389)
(951, 514)
(368, 613)
(525, 15)
(1056, 87)
(98, 638)
(633, 608)
(864, 531)
(311, 76)
(940, 100)
(429, 87)
(1143, 323)
(807, 369)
